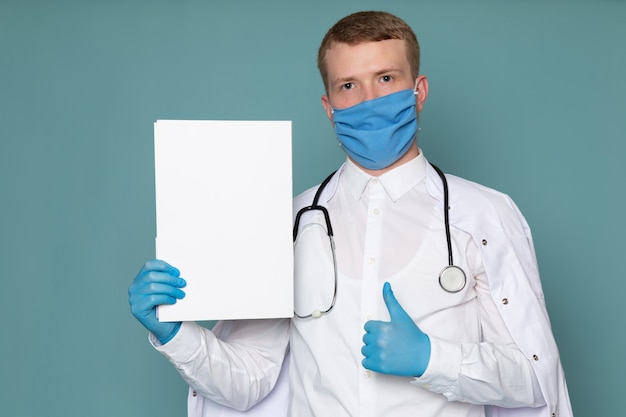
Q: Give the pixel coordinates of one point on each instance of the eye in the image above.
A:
(386, 78)
(347, 86)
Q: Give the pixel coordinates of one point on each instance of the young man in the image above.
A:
(381, 327)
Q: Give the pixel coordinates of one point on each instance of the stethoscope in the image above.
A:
(452, 278)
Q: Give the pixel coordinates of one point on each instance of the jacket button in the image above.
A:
(505, 301)
(484, 242)
(535, 357)
(195, 394)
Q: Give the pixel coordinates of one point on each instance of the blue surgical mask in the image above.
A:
(376, 133)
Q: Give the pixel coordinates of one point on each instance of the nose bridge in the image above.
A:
(369, 91)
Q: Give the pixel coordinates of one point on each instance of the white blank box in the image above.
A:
(224, 212)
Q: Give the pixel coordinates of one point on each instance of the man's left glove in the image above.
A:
(397, 347)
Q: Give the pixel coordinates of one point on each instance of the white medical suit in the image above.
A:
(491, 342)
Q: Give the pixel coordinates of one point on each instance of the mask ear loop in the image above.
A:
(416, 93)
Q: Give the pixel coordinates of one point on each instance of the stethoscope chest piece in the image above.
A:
(452, 279)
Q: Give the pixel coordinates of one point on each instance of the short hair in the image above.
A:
(369, 26)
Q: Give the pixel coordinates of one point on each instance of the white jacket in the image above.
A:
(500, 230)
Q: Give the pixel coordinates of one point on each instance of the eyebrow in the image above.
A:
(378, 73)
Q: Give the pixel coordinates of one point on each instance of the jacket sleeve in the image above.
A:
(237, 364)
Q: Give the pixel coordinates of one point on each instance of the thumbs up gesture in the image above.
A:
(397, 347)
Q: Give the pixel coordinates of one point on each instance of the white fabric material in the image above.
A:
(274, 405)
(236, 364)
(481, 346)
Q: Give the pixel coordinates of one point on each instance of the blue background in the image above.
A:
(526, 97)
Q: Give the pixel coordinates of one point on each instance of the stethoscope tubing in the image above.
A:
(446, 211)
(451, 278)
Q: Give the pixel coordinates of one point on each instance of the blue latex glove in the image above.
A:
(397, 347)
(157, 283)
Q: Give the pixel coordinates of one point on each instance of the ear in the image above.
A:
(421, 87)
(327, 107)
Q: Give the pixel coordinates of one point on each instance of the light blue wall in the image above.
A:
(527, 97)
